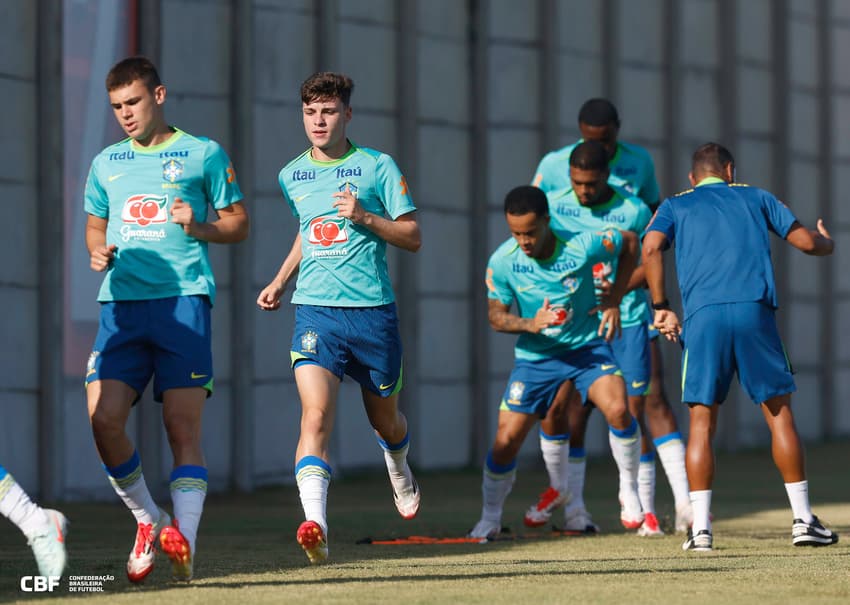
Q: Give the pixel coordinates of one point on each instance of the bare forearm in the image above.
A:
(626, 264)
(291, 264)
(503, 321)
(225, 230)
(654, 271)
(403, 234)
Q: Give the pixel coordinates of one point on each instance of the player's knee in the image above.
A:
(506, 448)
(105, 424)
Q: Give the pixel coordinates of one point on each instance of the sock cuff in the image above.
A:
(674, 436)
(562, 438)
(498, 471)
(6, 483)
(397, 446)
(647, 457)
(577, 453)
(627, 432)
(123, 471)
(312, 466)
(801, 485)
(189, 477)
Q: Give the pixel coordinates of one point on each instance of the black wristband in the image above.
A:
(663, 305)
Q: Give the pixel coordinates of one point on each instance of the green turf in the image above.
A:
(248, 554)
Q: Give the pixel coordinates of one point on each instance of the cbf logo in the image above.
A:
(351, 187)
(309, 341)
(90, 365)
(172, 170)
(570, 284)
(326, 231)
(39, 583)
(515, 392)
(145, 209)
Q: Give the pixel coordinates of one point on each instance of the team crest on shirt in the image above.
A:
(309, 340)
(172, 170)
(515, 392)
(351, 187)
(90, 364)
(570, 284)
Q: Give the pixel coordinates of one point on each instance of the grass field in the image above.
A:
(248, 554)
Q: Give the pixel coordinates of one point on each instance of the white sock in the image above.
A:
(128, 481)
(646, 483)
(671, 451)
(625, 447)
(396, 460)
(16, 505)
(313, 476)
(188, 491)
(497, 483)
(701, 502)
(798, 495)
(555, 450)
(576, 469)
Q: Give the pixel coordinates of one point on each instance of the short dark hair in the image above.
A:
(598, 112)
(524, 199)
(128, 70)
(589, 155)
(711, 157)
(325, 85)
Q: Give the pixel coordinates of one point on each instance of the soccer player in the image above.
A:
(44, 528)
(548, 274)
(147, 201)
(721, 233)
(630, 168)
(350, 202)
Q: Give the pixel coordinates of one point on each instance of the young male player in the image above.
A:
(350, 202)
(548, 273)
(630, 168)
(44, 528)
(721, 231)
(147, 201)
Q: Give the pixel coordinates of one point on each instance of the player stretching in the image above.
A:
(350, 202)
(548, 273)
(721, 232)
(44, 528)
(147, 231)
(630, 167)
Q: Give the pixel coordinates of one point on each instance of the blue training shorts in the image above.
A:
(167, 338)
(724, 338)
(533, 383)
(363, 342)
(631, 350)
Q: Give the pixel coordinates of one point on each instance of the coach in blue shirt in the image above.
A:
(725, 275)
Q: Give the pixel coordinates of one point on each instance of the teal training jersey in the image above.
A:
(631, 169)
(622, 211)
(343, 264)
(566, 279)
(134, 188)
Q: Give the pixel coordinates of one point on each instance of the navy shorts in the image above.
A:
(167, 338)
(631, 350)
(533, 383)
(722, 339)
(363, 342)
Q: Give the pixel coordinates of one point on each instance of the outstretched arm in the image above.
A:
(653, 262)
(502, 320)
(816, 243)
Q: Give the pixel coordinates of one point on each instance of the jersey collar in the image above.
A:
(710, 180)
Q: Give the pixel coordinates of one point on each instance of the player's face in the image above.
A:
(138, 109)
(325, 122)
(606, 135)
(530, 232)
(590, 186)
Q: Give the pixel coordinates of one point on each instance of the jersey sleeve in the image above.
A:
(644, 215)
(220, 183)
(603, 246)
(649, 192)
(281, 180)
(497, 283)
(663, 221)
(392, 188)
(779, 216)
(542, 176)
(95, 200)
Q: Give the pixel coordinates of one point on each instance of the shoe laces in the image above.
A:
(144, 539)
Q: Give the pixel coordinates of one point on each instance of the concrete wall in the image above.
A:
(467, 96)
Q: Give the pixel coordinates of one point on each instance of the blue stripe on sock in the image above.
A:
(563, 437)
(397, 446)
(626, 432)
(648, 457)
(671, 437)
(3, 472)
(126, 468)
(312, 461)
(499, 469)
(189, 471)
(577, 452)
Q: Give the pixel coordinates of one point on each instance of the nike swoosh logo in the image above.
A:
(60, 537)
(298, 198)
(525, 288)
(196, 376)
(608, 366)
(383, 387)
(637, 385)
(115, 176)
